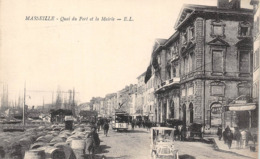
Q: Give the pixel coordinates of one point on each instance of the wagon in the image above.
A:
(162, 143)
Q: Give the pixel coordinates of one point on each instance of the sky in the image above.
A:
(94, 57)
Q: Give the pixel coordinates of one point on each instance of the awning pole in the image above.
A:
(249, 118)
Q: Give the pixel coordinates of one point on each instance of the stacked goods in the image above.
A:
(78, 147)
(34, 154)
(53, 152)
(67, 150)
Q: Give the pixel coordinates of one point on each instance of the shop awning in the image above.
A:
(242, 107)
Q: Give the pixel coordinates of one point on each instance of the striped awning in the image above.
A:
(242, 107)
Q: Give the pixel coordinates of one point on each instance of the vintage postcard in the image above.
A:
(129, 79)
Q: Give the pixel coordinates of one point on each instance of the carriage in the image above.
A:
(162, 143)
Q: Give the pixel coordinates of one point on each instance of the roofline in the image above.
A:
(210, 9)
(141, 75)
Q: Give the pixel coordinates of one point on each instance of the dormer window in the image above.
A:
(244, 29)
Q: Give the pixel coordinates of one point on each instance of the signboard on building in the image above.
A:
(216, 110)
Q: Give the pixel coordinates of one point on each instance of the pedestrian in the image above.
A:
(237, 137)
(176, 133)
(98, 125)
(229, 138)
(243, 138)
(248, 136)
(94, 135)
(133, 124)
(219, 133)
(106, 127)
(183, 132)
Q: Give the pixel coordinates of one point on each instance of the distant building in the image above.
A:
(140, 94)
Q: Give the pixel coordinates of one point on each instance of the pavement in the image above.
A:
(220, 145)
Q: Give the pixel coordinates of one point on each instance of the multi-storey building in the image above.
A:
(110, 104)
(165, 58)
(140, 94)
(256, 59)
(150, 99)
(215, 56)
(124, 98)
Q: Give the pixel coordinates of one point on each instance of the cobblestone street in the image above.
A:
(136, 144)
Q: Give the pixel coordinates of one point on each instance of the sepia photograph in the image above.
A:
(129, 79)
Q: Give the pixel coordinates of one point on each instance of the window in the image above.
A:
(243, 91)
(169, 72)
(244, 29)
(191, 62)
(186, 65)
(190, 91)
(217, 29)
(217, 89)
(159, 59)
(256, 59)
(244, 62)
(256, 26)
(217, 61)
(192, 33)
(173, 71)
(183, 92)
(184, 38)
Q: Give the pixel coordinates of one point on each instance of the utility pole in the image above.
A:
(24, 101)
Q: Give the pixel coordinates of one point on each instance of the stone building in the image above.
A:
(124, 98)
(110, 104)
(140, 94)
(256, 59)
(216, 62)
(165, 58)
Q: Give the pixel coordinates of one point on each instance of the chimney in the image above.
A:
(223, 4)
(229, 4)
(235, 4)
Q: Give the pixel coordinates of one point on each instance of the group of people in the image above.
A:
(241, 137)
(103, 124)
(141, 123)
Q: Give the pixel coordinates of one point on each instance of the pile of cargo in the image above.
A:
(47, 143)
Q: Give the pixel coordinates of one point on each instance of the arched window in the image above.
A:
(184, 113)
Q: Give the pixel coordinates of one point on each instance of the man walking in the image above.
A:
(106, 127)
(237, 136)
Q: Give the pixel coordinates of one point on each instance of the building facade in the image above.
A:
(165, 61)
(256, 73)
(216, 62)
(140, 94)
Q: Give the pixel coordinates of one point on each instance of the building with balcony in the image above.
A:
(215, 59)
(256, 59)
(165, 66)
